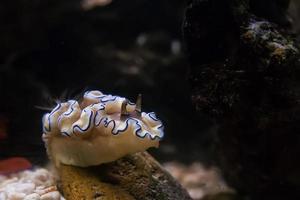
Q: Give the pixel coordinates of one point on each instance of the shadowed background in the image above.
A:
(57, 49)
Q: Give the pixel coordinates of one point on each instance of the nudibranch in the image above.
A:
(98, 129)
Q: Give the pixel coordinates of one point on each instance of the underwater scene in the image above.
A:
(149, 100)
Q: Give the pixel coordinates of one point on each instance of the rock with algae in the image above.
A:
(245, 73)
(138, 176)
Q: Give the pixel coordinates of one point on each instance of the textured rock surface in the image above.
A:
(245, 74)
(136, 176)
(80, 183)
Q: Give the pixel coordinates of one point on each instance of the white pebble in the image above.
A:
(51, 196)
(26, 188)
(36, 184)
(2, 196)
(175, 47)
(8, 181)
(32, 196)
(16, 196)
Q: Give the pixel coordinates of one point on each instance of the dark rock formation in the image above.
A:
(245, 73)
(138, 176)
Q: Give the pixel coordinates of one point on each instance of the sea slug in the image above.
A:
(98, 129)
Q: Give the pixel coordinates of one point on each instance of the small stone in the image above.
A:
(196, 193)
(2, 195)
(16, 196)
(8, 181)
(26, 188)
(33, 196)
(51, 196)
(29, 185)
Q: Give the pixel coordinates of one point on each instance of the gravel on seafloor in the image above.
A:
(40, 184)
(198, 180)
(37, 184)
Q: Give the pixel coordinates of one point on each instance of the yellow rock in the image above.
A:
(138, 176)
(81, 184)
